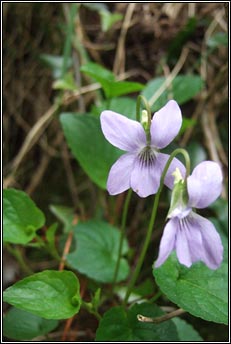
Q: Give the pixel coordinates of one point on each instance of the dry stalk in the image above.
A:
(161, 319)
(119, 62)
(171, 76)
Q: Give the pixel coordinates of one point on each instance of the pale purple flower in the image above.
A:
(141, 167)
(192, 236)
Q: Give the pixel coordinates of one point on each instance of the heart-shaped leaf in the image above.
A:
(198, 290)
(97, 251)
(21, 217)
(21, 325)
(49, 294)
(120, 325)
(88, 145)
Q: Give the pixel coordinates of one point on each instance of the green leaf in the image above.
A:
(88, 145)
(221, 210)
(198, 290)
(218, 39)
(183, 88)
(66, 83)
(187, 123)
(97, 72)
(97, 250)
(196, 152)
(108, 19)
(49, 294)
(95, 6)
(124, 105)
(21, 217)
(50, 238)
(55, 63)
(110, 85)
(186, 332)
(65, 214)
(120, 325)
(22, 325)
(180, 39)
(119, 88)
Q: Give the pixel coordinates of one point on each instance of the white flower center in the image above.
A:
(147, 156)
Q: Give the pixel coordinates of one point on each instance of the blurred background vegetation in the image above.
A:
(138, 42)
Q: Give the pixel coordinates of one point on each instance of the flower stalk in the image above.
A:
(152, 220)
(122, 234)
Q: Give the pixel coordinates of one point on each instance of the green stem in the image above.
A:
(153, 217)
(19, 257)
(90, 309)
(147, 126)
(68, 41)
(122, 233)
(140, 99)
(155, 297)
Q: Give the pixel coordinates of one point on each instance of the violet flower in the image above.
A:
(192, 236)
(141, 167)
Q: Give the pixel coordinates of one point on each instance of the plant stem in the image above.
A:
(68, 41)
(122, 233)
(162, 318)
(18, 255)
(89, 308)
(153, 217)
(144, 248)
(147, 107)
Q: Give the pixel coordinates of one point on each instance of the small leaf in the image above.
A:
(198, 290)
(22, 325)
(108, 19)
(21, 217)
(187, 123)
(50, 238)
(97, 72)
(218, 39)
(97, 250)
(196, 152)
(183, 88)
(221, 209)
(49, 294)
(110, 85)
(180, 39)
(94, 6)
(66, 83)
(119, 88)
(88, 145)
(186, 332)
(124, 105)
(120, 325)
(55, 63)
(65, 214)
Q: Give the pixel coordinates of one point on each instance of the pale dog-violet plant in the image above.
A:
(145, 169)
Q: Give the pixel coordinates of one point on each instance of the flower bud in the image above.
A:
(179, 199)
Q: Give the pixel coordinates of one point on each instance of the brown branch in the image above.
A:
(161, 319)
(119, 62)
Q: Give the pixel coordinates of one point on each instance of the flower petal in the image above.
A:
(168, 240)
(205, 184)
(145, 179)
(166, 124)
(120, 174)
(211, 241)
(122, 132)
(162, 159)
(183, 247)
(194, 238)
